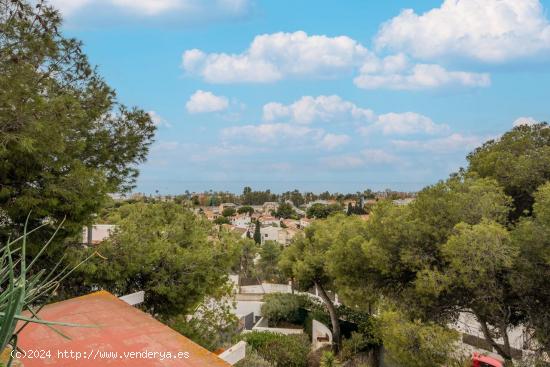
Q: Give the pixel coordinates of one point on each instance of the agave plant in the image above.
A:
(22, 289)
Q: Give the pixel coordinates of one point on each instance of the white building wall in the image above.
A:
(270, 234)
(235, 353)
(99, 232)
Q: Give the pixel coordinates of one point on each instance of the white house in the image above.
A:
(241, 221)
(98, 233)
(267, 220)
(277, 234)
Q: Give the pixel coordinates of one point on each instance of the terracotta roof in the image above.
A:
(122, 328)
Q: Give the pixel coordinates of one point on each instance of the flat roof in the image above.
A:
(121, 329)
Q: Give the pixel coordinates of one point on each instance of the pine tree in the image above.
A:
(257, 233)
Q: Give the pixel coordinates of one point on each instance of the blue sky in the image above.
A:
(317, 95)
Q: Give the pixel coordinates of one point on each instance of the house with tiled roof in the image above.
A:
(113, 334)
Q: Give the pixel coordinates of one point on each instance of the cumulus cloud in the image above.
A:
(403, 124)
(202, 101)
(271, 57)
(310, 109)
(396, 72)
(270, 133)
(367, 157)
(276, 134)
(157, 120)
(490, 31)
(525, 121)
(448, 144)
(332, 141)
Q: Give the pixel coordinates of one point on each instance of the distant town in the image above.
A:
(269, 216)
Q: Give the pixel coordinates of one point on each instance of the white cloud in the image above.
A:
(403, 124)
(452, 143)
(332, 141)
(322, 108)
(202, 101)
(278, 134)
(270, 133)
(69, 6)
(271, 57)
(395, 72)
(488, 30)
(367, 157)
(525, 121)
(157, 120)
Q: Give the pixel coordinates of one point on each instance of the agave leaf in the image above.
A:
(44, 322)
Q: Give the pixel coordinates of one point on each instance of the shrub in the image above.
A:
(229, 212)
(284, 307)
(357, 343)
(221, 220)
(253, 359)
(416, 344)
(329, 360)
(278, 349)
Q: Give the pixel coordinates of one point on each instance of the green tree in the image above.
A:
(417, 255)
(285, 211)
(519, 161)
(321, 211)
(246, 209)
(416, 344)
(250, 197)
(221, 220)
(295, 196)
(249, 251)
(257, 233)
(175, 258)
(307, 260)
(530, 281)
(228, 212)
(65, 140)
(270, 254)
(480, 260)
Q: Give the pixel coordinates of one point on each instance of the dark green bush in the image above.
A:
(253, 359)
(278, 349)
(285, 307)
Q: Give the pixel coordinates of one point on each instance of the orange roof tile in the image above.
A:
(121, 328)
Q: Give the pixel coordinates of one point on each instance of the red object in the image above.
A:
(479, 360)
(122, 329)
